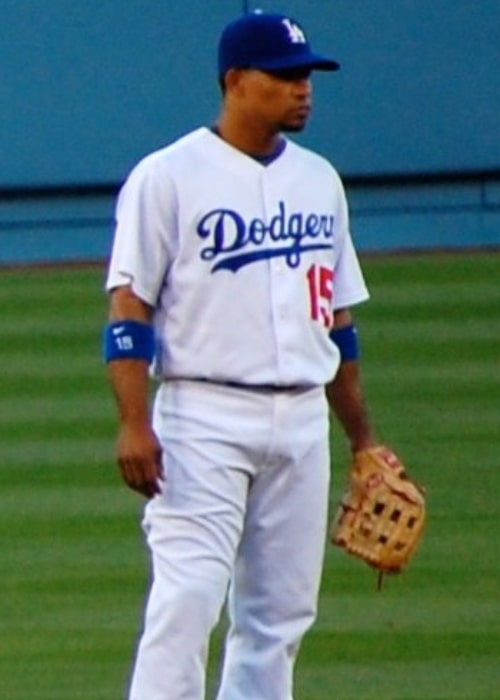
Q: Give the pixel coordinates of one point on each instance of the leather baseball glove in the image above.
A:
(381, 516)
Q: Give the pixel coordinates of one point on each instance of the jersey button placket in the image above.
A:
(277, 267)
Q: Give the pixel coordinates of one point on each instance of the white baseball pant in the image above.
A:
(244, 507)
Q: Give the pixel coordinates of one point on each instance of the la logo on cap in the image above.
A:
(295, 33)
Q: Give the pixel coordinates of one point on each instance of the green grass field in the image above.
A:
(74, 569)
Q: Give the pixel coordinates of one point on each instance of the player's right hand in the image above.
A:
(139, 457)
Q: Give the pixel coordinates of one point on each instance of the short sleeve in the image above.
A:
(145, 232)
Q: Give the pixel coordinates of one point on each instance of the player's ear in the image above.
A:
(233, 80)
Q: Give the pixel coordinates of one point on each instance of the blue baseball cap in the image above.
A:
(268, 41)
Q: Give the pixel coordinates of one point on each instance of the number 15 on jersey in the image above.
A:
(320, 280)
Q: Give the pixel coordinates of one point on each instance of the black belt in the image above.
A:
(270, 388)
(265, 387)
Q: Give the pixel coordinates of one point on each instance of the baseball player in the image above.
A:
(231, 276)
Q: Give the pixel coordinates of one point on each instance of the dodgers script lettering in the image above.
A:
(234, 242)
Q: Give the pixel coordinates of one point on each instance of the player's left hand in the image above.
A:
(139, 456)
(382, 514)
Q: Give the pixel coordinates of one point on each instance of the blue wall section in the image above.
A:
(383, 217)
(447, 215)
(419, 88)
(88, 88)
(55, 228)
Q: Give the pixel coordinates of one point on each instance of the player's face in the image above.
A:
(281, 99)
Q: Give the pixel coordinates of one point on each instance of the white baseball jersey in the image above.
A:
(243, 263)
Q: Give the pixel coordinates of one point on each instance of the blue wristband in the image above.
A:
(128, 340)
(346, 339)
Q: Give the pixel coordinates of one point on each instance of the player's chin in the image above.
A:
(293, 125)
(293, 128)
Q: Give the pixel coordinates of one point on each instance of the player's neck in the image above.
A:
(252, 141)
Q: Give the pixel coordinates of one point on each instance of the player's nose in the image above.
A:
(303, 88)
(303, 83)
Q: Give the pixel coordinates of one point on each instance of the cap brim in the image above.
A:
(312, 60)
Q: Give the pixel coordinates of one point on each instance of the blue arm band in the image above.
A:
(346, 339)
(129, 340)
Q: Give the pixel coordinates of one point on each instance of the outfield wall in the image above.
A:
(411, 121)
(452, 214)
